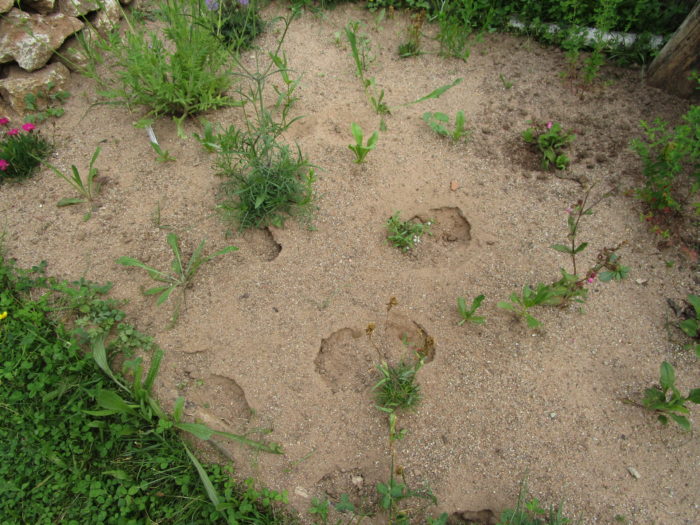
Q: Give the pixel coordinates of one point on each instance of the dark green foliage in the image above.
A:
(21, 151)
(667, 153)
(398, 389)
(234, 23)
(65, 457)
(266, 181)
(667, 401)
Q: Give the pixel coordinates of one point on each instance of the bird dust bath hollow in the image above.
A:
(262, 244)
(220, 400)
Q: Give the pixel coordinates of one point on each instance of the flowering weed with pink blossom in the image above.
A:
(571, 287)
(21, 150)
(550, 139)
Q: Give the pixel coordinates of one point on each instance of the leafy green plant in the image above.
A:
(404, 235)
(469, 314)
(691, 325)
(529, 511)
(359, 148)
(520, 304)
(182, 271)
(163, 154)
(411, 47)
(179, 72)
(666, 154)
(109, 451)
(21, 150)
(506, 83)
(45, 104)
(667, 401)
(397, 389)
(235, 22)
(88, 188)
(439, 123)
(266, 182)
(550, 139)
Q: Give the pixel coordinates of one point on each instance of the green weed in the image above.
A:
(181, 72)
(411, 47)
(439, 123)
(397, 389)
(107, 450)
(507, 84)
(469, 313)
(21, 150)
(45, 104)
(163, 155)
(182, 272)
(529, 511)
(667, 401)
(88, 188)
(404, 235)
(666, 154)
(550, 139)
(235, 23)
(359, 148)
(691, 325)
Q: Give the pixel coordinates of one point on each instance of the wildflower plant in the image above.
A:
(469, 313)
(87, 188)
(21, 150)
(439, 123)
(550, 139)
(404, 235)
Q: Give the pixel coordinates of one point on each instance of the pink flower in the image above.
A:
(4, 164)
(550, 124)
(569, 210)
(4, 120)
(13, 131)
(28, 126)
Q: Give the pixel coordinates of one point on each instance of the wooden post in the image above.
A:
(678, 58)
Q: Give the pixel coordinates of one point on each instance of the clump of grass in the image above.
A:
(236, 22)
(21, 150)
(266, 182)
(404, 235)
(397, 389)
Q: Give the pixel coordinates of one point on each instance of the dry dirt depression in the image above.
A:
(274, 335)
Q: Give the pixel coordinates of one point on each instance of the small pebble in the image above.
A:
(633, 472)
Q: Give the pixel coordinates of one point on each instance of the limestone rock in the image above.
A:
(40, 6)
(5, 6)
(109, 16)
(19, 83)
(31, 39)
(77, 7)
(72, 55)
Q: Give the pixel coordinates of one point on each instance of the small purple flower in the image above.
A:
(4, 120)
(4, 164)
(28, 126)
(243, 2)
(550, 124)
(13, 131)
(212, 5)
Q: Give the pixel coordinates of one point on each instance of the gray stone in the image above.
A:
(109, 16)
(77, 7)
(40, 6)
(19, 83)
(31, 39)
(5, 6)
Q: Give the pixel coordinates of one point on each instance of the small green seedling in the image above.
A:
(467, 314)
(667, 401)
(183, 272)
(88, 188)
(439, 123)
(520, 304)
(163, 155)
(208, 139)
(506, 83)
(404, 235)
(359, 148)
(397, 389)
(691, 326)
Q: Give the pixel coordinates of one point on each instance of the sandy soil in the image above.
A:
(273, 336)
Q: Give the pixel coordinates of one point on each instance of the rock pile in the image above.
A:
(38, 46)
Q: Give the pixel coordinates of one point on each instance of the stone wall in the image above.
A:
(38, 46)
